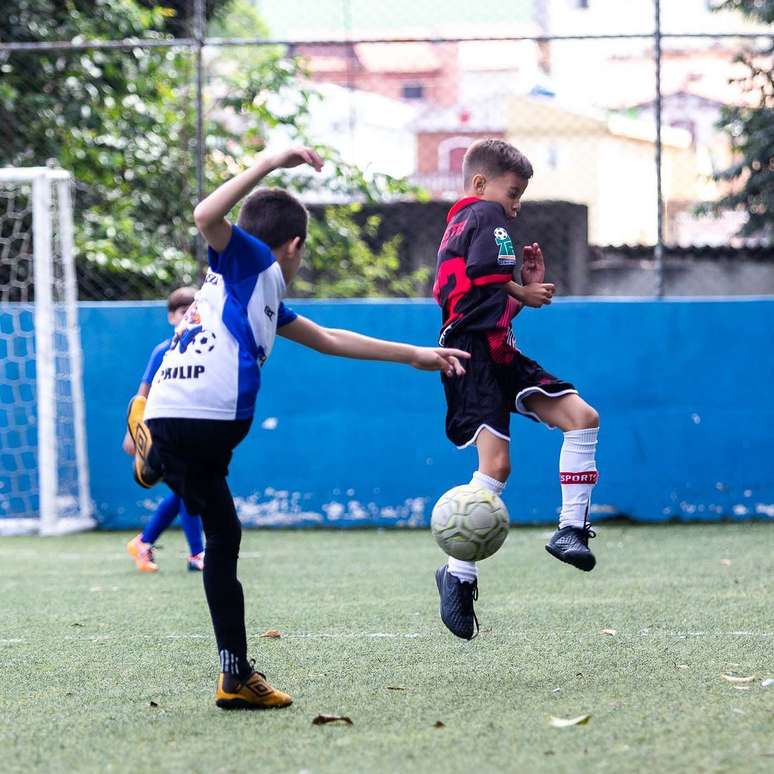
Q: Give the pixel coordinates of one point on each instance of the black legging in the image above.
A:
(194, 456)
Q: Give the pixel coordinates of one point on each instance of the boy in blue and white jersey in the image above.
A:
(203, 396)
(141, 547)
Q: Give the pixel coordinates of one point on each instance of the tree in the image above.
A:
(751, 131)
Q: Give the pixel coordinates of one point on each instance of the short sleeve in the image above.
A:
(154, 362)
(285, 315)
(490, 257)
(245, 257)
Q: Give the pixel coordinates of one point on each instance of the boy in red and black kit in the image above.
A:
(478, 295)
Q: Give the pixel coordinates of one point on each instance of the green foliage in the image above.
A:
(758, 10)
(751, 130)
(124, 123)
(340, 262)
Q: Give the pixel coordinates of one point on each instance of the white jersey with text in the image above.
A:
(212, 369)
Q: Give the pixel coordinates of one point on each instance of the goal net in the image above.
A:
(44, 482)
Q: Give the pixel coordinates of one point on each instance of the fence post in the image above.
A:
(658, 252)
(199, 31)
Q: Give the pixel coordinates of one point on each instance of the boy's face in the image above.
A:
(176, 315)
(506, 189)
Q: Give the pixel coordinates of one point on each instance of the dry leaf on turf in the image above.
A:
(439, 724)
(739, 680)
(609, 632)
(321, 720)
(273, 633)
(581, 720)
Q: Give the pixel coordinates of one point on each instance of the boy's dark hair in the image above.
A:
(493, 158)
(180, 298)
(274, 216)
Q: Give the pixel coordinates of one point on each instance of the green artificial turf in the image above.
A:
(107, 670)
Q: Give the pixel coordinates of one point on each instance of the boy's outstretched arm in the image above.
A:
(334, 341)
(210, 213)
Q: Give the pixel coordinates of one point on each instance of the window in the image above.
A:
(451, 151)
(412, 91)
(455, 159)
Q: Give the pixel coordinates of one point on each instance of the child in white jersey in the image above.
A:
(204, 392)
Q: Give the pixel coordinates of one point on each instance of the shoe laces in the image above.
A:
(251, 662)
(474, 598)
(589, 532)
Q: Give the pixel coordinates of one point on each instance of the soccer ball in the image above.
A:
(204, 342)
(469, 523)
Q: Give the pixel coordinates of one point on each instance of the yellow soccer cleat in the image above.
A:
(145, 475)
(252, 693)
(142, 553)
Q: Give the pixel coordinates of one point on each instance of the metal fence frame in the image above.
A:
(200, 41)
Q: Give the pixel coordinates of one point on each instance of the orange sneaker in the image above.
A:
(142, 553)
(251, 693)
(144, 473)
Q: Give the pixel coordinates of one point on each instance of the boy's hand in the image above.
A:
(537, 294)
(128, 445)
(533, 267)
(439, 359)
(294, 157)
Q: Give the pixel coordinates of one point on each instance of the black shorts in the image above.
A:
(194, 452)
(489, 392)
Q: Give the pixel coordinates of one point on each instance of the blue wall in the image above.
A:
(683, 388)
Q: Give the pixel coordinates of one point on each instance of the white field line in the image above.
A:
(373, 635)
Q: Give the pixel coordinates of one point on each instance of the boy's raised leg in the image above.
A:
(577, 475)
(457, 581)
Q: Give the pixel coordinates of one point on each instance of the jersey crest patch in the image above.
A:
(506, 255)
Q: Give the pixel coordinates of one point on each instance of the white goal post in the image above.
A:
(44, 478)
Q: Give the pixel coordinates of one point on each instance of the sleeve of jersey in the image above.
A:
(245, 257)
(154, 362)
(490, 258)
(285, 315)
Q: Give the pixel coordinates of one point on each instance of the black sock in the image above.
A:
(234, 665)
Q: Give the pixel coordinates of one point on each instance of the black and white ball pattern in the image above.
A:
(204, 342)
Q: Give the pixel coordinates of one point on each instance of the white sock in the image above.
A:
(577, 474)
(467, 572)
(488, 483)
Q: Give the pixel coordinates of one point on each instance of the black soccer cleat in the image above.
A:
(571, 545)
(457, 604)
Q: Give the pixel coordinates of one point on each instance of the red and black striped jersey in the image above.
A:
(475, 259)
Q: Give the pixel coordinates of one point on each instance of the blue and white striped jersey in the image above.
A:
(212, 369)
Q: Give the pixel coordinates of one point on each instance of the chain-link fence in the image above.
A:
(628, 112)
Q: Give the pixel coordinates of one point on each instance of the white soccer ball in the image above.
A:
(469, 523)
(204, 342)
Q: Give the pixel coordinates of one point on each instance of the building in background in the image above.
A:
(583, 110)
(604, 162)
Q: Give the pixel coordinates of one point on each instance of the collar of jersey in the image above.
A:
(460, 205)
